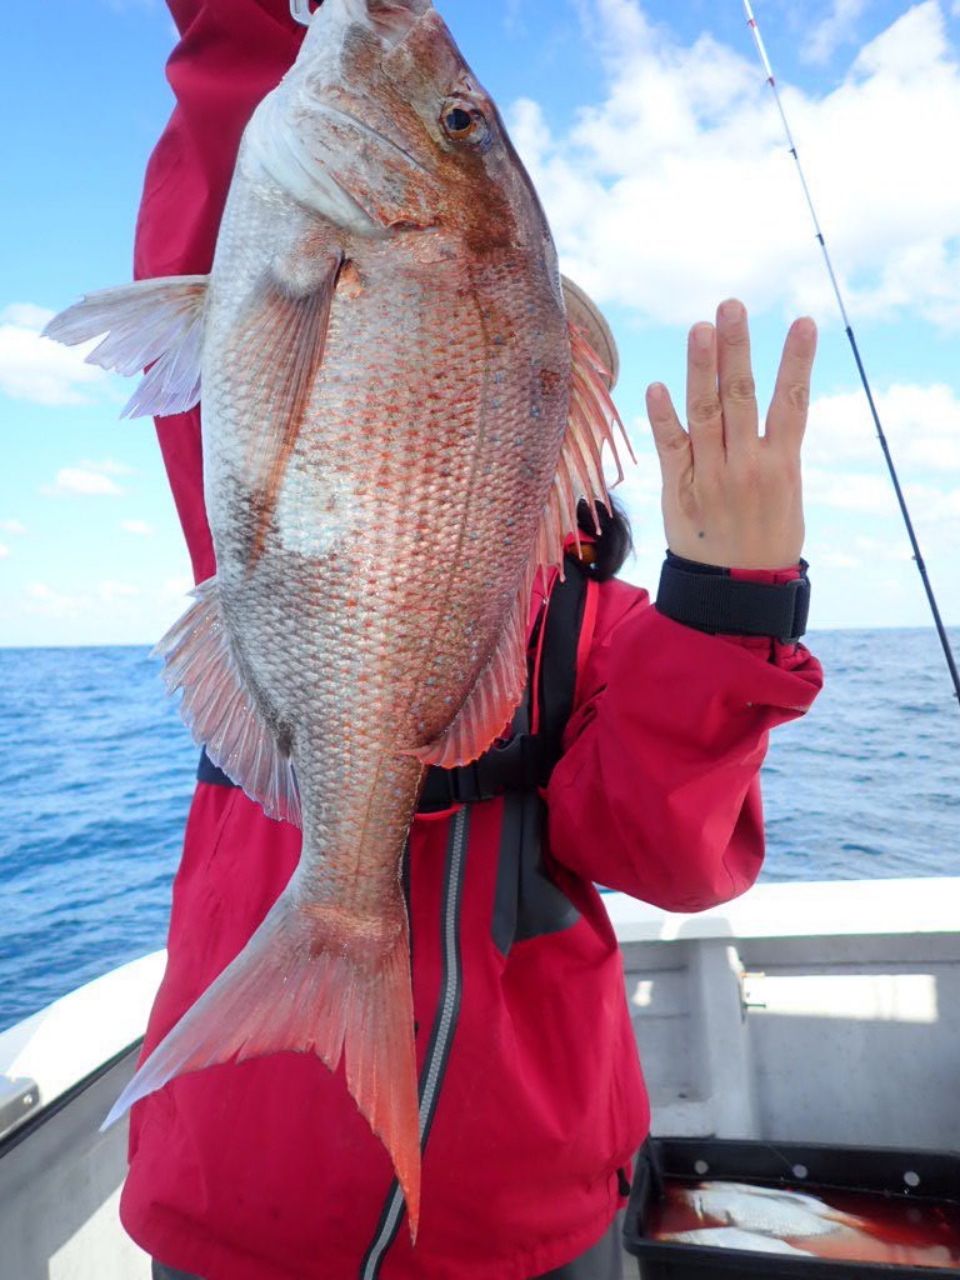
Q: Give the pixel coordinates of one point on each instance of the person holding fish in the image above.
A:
(408, 644)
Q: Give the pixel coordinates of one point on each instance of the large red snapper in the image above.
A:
(397, 426)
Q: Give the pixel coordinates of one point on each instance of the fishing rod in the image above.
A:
(918, 557)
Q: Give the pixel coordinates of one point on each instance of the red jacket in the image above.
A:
(529, 1071)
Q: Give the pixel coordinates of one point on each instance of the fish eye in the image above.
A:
(458, 121)
(463, 122)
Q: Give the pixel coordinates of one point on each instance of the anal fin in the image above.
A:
(220, 711)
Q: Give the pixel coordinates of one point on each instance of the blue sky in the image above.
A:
(656, 147)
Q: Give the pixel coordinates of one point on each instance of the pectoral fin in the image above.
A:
(155, 323)
(279, 351)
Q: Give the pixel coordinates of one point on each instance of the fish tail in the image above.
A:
(313, 980)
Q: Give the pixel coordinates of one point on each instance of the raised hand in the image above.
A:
(731, 496)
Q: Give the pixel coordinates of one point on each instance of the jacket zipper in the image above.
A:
(441, 1040)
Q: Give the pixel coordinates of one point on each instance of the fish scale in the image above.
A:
(398, 424)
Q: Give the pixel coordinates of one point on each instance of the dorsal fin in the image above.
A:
(593, 422)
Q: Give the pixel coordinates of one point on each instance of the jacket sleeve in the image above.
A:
(230, 54)
(658, 791)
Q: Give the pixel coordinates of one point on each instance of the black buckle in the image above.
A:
(518, 765)
(801, 605)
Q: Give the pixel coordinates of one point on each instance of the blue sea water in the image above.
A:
(96, 773)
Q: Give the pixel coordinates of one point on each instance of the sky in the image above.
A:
(658, 153)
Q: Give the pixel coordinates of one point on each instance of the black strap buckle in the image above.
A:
(524, 762)
(518, 765)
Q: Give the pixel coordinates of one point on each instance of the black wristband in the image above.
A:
(708, 598)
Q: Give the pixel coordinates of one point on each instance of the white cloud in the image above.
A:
(853, 492)
(4, 552)
(839, 548)
(110, 592)
(887, 549)
(43, 601)
(108, 467)
(918, 36)
(105, 611)
(131, 6)
(177, 588)
(871, 493)
(931, 505)
(838, 560)
(27, 315)
(677, 189)
(513, 17)
(836, 29)
(921, 423)
(16, 527)
(88, 480)
(72, 481)
(139, 528)
(44, 372)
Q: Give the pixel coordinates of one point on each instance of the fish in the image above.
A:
(398, 422)
(783, 1221)
(765, 1210)
(734, 1238)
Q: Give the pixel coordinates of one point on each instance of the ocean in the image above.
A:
(96, 773)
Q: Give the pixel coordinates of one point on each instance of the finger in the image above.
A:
(673, 443)
(787, 419)
(704, 413)
(738, 394)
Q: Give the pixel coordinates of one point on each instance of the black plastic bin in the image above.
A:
(923, 1177)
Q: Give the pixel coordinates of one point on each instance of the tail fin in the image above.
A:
(309, 982)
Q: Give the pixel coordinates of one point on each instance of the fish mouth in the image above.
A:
(395, 19)
(392, 20)
(310, 136)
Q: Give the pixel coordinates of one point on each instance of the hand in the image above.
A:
(732, 497)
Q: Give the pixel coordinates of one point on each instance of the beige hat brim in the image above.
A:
(586, 315)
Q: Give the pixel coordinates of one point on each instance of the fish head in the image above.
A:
(382, 128)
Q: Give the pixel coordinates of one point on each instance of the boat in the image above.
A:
(813, 1012)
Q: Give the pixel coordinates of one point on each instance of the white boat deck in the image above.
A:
(814, 1012)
